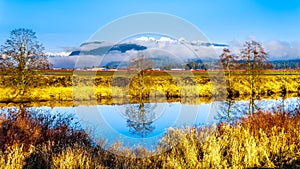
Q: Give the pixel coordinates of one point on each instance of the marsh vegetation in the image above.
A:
(37, 139)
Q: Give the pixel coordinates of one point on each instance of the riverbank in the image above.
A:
(263, 140)
(154, 87)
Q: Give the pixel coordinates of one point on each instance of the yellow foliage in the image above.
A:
(74, 158)
(15, 157)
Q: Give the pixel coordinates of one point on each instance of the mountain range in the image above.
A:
(164, 52)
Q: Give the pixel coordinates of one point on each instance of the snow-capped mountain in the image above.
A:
(162, 51)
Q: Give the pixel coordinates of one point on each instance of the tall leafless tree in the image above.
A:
(229, 63)
(140, 116)
(21, 55)
(140, 66)
(254, 61)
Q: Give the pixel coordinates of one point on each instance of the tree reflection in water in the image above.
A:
(140, 118)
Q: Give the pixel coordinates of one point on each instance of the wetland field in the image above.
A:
(225, 121)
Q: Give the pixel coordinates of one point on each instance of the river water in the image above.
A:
(144, 124)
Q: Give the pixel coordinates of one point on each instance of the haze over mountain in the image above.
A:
(162, 51)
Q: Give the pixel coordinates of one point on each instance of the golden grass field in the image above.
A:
(156, 86)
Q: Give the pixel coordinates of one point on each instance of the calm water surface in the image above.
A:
(145, 123)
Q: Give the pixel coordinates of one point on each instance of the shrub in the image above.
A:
(264, 139)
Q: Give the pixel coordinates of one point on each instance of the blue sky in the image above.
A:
(65, 23)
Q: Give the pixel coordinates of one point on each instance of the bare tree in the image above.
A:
(22, 54)
(140, 116)
(229, 62)
(254, 61)
(138, 84)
